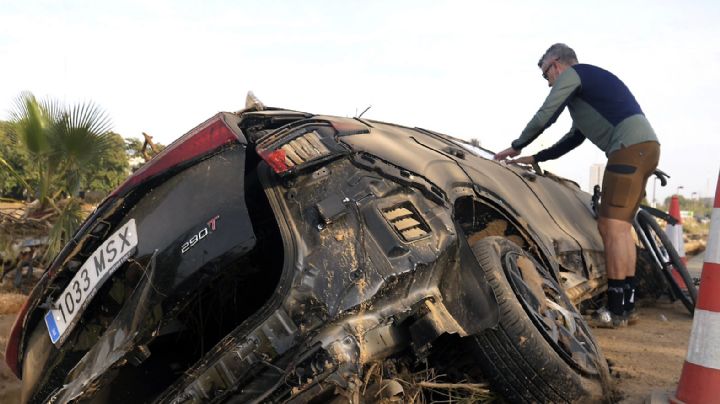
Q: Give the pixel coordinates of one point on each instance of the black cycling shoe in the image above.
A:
(603, 318)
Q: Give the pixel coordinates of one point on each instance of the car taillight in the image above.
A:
(300, 150)
(276, 160)
(210, 135)
(307, 142)
(12, 350)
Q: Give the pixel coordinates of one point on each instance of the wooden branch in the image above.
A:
(455, 386)
(148, 142)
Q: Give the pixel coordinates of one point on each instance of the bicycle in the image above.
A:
(664, 259)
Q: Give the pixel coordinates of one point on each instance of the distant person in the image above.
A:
(25, 263)
(603, 110)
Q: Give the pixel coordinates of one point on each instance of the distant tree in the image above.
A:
(112, 167)
(133, 146)
(16, 172)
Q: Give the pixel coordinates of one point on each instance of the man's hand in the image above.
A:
(509, 152)
(529, 160)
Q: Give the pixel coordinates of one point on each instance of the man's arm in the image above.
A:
(568, 142)
(564, 88)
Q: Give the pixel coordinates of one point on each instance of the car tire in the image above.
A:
(523, 357)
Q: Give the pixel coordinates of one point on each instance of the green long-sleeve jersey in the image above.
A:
(602, 109)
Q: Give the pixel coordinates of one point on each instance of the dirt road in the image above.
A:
(648, 356)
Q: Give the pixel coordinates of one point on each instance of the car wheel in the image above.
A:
(542, 349)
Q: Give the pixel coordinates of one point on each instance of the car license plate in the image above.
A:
(89, 278)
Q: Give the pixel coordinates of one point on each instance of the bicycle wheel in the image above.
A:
(651, 283)
(667, 259)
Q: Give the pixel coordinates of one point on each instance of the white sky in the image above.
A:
(467, 69)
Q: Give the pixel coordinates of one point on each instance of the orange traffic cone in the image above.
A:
(675, 234)
(700, 378)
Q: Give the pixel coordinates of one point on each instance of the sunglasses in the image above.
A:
(547, 69)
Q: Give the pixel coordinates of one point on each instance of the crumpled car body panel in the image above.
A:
(348, 237)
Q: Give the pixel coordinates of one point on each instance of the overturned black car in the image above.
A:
(271, 255)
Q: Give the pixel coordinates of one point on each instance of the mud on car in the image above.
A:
(271, 255)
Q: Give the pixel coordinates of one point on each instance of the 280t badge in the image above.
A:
(204, 232)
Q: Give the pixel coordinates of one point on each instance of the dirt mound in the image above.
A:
(10, 303)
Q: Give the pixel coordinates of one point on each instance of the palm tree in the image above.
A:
(64, 143)
(31, 127)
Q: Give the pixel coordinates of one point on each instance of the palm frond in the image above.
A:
(53, 108)
(66, 224)
(66, 142)
(91, 117)
(30, 124)
(14, 173)
(85, 133)
(83, 139)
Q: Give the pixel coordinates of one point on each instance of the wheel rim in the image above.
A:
(551, 313)
(659, 249)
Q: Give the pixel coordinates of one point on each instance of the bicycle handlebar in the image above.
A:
(659, 214)
(662, 176)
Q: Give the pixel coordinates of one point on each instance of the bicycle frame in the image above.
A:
(646, 242)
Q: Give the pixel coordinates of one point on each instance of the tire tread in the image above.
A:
(532, 372)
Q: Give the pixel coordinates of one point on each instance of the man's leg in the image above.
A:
(630, 282)
(620, 252)
(624, 180)
(18, 277)
(27, 270)
(619, 261)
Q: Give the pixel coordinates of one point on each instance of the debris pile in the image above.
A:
(22, 242)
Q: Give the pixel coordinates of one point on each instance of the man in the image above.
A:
(25, 263)
(603, 110)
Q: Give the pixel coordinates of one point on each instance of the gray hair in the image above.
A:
(560, 52)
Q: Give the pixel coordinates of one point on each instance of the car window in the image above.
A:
(476, 150)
